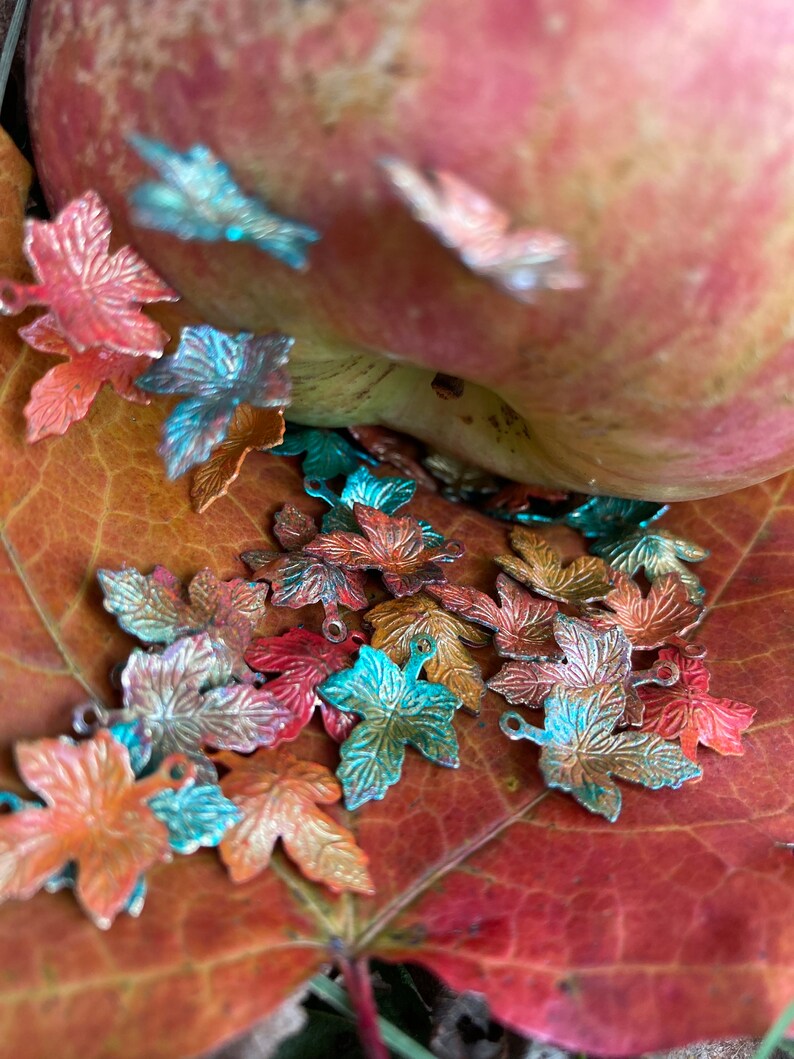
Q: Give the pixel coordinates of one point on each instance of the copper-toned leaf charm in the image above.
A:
(156, 608)
(515, 498)
(198, 198)
(657, 553)
(278, 797)
(186, 700)
(521, 624)
(95, 815)
(298, 579)
(387, 494)
(586, 578)
(65, 394)
(662, 616)
(399, 622)
(251, 429)
(396, 709)
(292, 528)
(94, 296)
(581, 750)
(521, 261)
(592, 656)
(686, 711)
(216, 372)
(398, 450)
(461, 481)
(303, 659)
(394, 546)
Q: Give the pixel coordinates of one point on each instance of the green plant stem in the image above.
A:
(336, 997)
(774, 1036)
(10, 44)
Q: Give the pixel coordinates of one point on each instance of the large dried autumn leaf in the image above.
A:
(278, 797)
(398, 622)
(684, 928)
(65, 394)
(96, 815)
(539, 566)
(94, 296)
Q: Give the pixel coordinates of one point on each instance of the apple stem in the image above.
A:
(358, 984)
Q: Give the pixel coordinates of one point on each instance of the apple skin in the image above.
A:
(656, 135)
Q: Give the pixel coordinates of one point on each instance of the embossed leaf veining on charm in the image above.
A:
(278, 797)
(581, 751)
(216, 372)
(251, 429)
(657, 552)
(539, 567)
(198, 198)
(665, 614)
(327, 454)
(94, 297)
(520, 260)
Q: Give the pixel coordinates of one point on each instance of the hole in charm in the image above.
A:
(334, 630)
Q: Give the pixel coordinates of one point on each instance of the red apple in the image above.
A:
(656, 135)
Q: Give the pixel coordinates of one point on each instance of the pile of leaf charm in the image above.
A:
(197, 752)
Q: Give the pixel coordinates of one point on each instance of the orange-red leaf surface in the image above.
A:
(278, 796)
(650, 621)
(676, 923)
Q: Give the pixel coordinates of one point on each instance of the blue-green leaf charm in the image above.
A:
(397, 709)
(198, 198)
(216, 372)
(328, 454)
(195, 815)
(608, 516)
(581, 751)
(657, 552)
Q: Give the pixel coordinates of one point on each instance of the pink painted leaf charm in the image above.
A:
(94, 297)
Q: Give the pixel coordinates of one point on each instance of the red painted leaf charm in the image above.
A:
(522, 624)
(292, 528)
(65, 394)
(394, 546)
(686, 711)
(396, 449)
(278, 797)
(304, 659)
(662, 616)
(94, 296)
(96, 815)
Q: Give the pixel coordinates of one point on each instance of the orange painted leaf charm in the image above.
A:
(95, 815)
(278, 796)
(665, 614)
(521, 624)
(251, 429)
(686, 711)
(586, 578)
(394, 546)
(399, 622)
(94, 296)
(65, 394)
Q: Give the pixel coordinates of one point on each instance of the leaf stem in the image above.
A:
(335, 996)
(358, 983)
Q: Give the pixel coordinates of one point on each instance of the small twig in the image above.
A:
(10, 45)
(336, 997)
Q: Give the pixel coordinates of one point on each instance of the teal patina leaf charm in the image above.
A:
(657, 552)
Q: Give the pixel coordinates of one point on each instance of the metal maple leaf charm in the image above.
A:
(394, 546)
(539, 567)
(217, 372)
(251, 429)
(278, 798)
(521, 261)
(399, 623)
(593, 656)
(686, 711)
(664, 615)
(581, 749)
(396, 709)
(96, 815)
(304, 660)
(186, 700)
(65, 394)
(94, 296)
(328, 454)
(657, 553)
(609, 516)
(521, 624)
(199, 199)
(156, 607)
